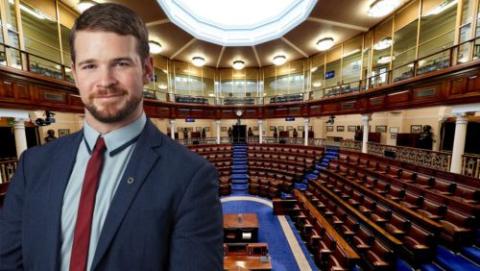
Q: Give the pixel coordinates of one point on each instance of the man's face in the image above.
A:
(109, 74)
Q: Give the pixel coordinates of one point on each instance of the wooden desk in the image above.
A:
(240, 227)
(243, 262)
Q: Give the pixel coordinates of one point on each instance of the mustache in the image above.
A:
(106, 92)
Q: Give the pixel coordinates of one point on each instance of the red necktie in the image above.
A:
(81, 236)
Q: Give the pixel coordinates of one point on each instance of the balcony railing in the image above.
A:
(442, 59)
(26, 61)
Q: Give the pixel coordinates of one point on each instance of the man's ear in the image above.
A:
(148, 70)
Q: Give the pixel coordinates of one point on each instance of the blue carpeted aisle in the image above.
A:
(270, 231)
(239, 169)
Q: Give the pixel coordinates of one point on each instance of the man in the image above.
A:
(118, 195)
(50, 136)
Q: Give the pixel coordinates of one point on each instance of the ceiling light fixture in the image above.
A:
(383, 44)
(198, 61)
(325, 44)
(155, 47)
(238, 64)
(83, 5)
(380, 8)
(384, 59)
(279, 60)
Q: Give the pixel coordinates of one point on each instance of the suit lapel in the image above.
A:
(61, 169)
(143, 159)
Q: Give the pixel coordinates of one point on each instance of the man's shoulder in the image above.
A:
(177, 153)
(57, 145)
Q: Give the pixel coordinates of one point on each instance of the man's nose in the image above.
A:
(106, 78)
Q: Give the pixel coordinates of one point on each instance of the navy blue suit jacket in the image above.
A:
(168, 218)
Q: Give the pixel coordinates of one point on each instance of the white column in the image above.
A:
(365, 120)
(217, 125)
(172, 129)
(459, 143)
(305, 129)
(260, 131)
(20, 136)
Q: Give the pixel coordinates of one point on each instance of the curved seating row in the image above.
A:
(415, 198)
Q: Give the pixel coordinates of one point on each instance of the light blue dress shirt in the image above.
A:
(120, 146)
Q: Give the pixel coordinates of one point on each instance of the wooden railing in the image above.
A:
(471, 165)
(7, 169)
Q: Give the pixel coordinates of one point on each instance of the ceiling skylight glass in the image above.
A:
(237, 22)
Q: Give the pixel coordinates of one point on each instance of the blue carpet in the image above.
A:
(472, 253)
(270, 232)
(453, 262)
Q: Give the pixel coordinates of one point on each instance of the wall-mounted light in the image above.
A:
(279, 60)
(83, 5)
(155, 47)
(383, 44)
(198, 61)
(380, 8)
(317, 84)
(238, 64)
(325, 44)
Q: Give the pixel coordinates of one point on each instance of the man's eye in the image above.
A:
(123, 64)
(88, 67)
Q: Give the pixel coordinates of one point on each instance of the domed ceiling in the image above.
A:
(295, 37)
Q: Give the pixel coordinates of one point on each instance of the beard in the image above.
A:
(115, 112)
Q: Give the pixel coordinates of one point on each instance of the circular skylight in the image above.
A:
(237, 22)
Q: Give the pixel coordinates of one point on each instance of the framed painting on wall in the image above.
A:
(351, 128)
(329, 128)
(394, 130)
(415, 129)
(63, 132)
(340, 128)
(381, 128)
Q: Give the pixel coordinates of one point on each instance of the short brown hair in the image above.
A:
(114, 18)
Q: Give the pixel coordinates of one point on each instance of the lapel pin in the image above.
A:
(130, 180)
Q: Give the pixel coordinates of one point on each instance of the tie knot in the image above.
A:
(100, 146)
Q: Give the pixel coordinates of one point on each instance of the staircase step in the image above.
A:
(453, 262)
(430, 267)
(401, 265)
(239, 187)
(239, 176)
(473, 253)
(300, 186)
(240, 181)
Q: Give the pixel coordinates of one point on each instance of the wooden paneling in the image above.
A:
(473, 84)
(6, 89)
(334, 54)
(458, 86)
(407, 15)
(398, 97)
(383, 31)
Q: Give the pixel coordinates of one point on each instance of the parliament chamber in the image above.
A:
(346, 134)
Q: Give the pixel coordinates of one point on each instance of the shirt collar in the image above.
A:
(116, 140)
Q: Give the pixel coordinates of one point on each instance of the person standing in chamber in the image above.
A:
(119, 194)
